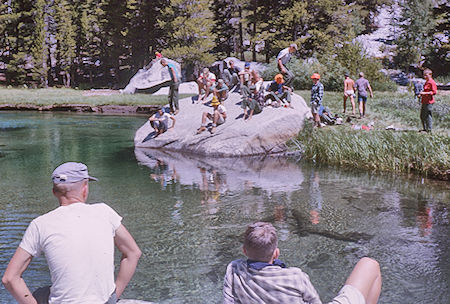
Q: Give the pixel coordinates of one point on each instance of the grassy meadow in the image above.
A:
(54, 96)
(402, 151)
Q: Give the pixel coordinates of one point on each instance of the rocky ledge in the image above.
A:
(265, 133)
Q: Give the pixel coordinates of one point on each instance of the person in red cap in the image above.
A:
(78, 241)
(316, 98)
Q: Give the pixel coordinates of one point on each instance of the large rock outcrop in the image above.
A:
(265, 133)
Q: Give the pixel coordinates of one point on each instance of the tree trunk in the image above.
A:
(241, 39)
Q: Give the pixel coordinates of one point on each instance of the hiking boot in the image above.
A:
(213, 130)
(201, 129)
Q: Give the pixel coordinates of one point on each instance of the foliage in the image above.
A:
(188, 32)
(379, 150)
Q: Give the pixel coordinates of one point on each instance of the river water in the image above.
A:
(188, 213)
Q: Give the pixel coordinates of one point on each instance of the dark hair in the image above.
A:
(260, 241)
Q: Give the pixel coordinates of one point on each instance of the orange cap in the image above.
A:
(315, 76)
(158, 55)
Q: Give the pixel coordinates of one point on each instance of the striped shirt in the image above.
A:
(270, 284)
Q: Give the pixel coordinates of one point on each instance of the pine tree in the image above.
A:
(65, 39)
(188, 37)
(415, 23)
(17, 37)
(39, 49)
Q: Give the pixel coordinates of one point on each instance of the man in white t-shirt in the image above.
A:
(205, 81)
(78, 241)
(218, 116)
(282, 59)
(160, 122)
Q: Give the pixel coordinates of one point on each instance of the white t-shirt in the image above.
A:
(284, 55)
(221, 109)
(209, 77)
(164, 118)
(78, 243)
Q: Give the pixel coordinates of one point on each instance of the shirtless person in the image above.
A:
(349, 91)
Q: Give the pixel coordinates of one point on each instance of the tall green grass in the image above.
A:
(378, 150)
(404, 151)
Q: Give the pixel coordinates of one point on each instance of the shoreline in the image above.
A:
(84, 108)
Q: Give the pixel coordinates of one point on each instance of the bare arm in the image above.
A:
(281, 66)
(12, 279)
(174, 75)
(130, 257)
(370, 90)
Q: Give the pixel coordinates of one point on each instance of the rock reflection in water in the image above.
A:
(219, 175)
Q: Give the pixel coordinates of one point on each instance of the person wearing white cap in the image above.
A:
(282, 59)
(78, 241)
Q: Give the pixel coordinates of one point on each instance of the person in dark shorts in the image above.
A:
(363, 85)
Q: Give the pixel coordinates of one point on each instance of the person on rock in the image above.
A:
(231, 74)
(279, 92)
(253, 103)
(174, 84)
(218, 116)
(205, 81)
(220, 90)
(160, 122)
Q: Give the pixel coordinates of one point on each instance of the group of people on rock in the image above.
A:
(277, 94)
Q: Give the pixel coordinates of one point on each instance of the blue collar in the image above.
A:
(260, 265)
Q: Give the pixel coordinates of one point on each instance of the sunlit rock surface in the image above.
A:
(265, 133)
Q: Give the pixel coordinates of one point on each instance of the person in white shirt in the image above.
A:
(205, 82)
(218, 116)
(78, 241)
(160, 122)
(282, 59)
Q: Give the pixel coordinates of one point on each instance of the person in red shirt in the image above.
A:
(427, 97)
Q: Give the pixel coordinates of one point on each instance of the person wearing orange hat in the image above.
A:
(316, 98)
(278, 91)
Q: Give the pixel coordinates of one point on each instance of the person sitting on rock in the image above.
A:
(218, 116)
(231, 74)
(279, 92)
(205, 82)
(245, 77)
(263, 278)
(220, 90)
(254, 101)
(160, 122)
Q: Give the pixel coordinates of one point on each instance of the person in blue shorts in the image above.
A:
(362, 85)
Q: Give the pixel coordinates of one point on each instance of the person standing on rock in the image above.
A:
(316, 98)
(349, 92)
(218, 116)
(78, 241)
(160, 122)
(205, 82)
(362, 85)
(427, 97)
(175, 83)
(284, 56)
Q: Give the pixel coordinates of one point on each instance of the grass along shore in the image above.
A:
(405, 151)
(57, 96)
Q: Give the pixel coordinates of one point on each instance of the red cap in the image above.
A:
(315, 76)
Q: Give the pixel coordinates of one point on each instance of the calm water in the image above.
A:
(187, 214)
